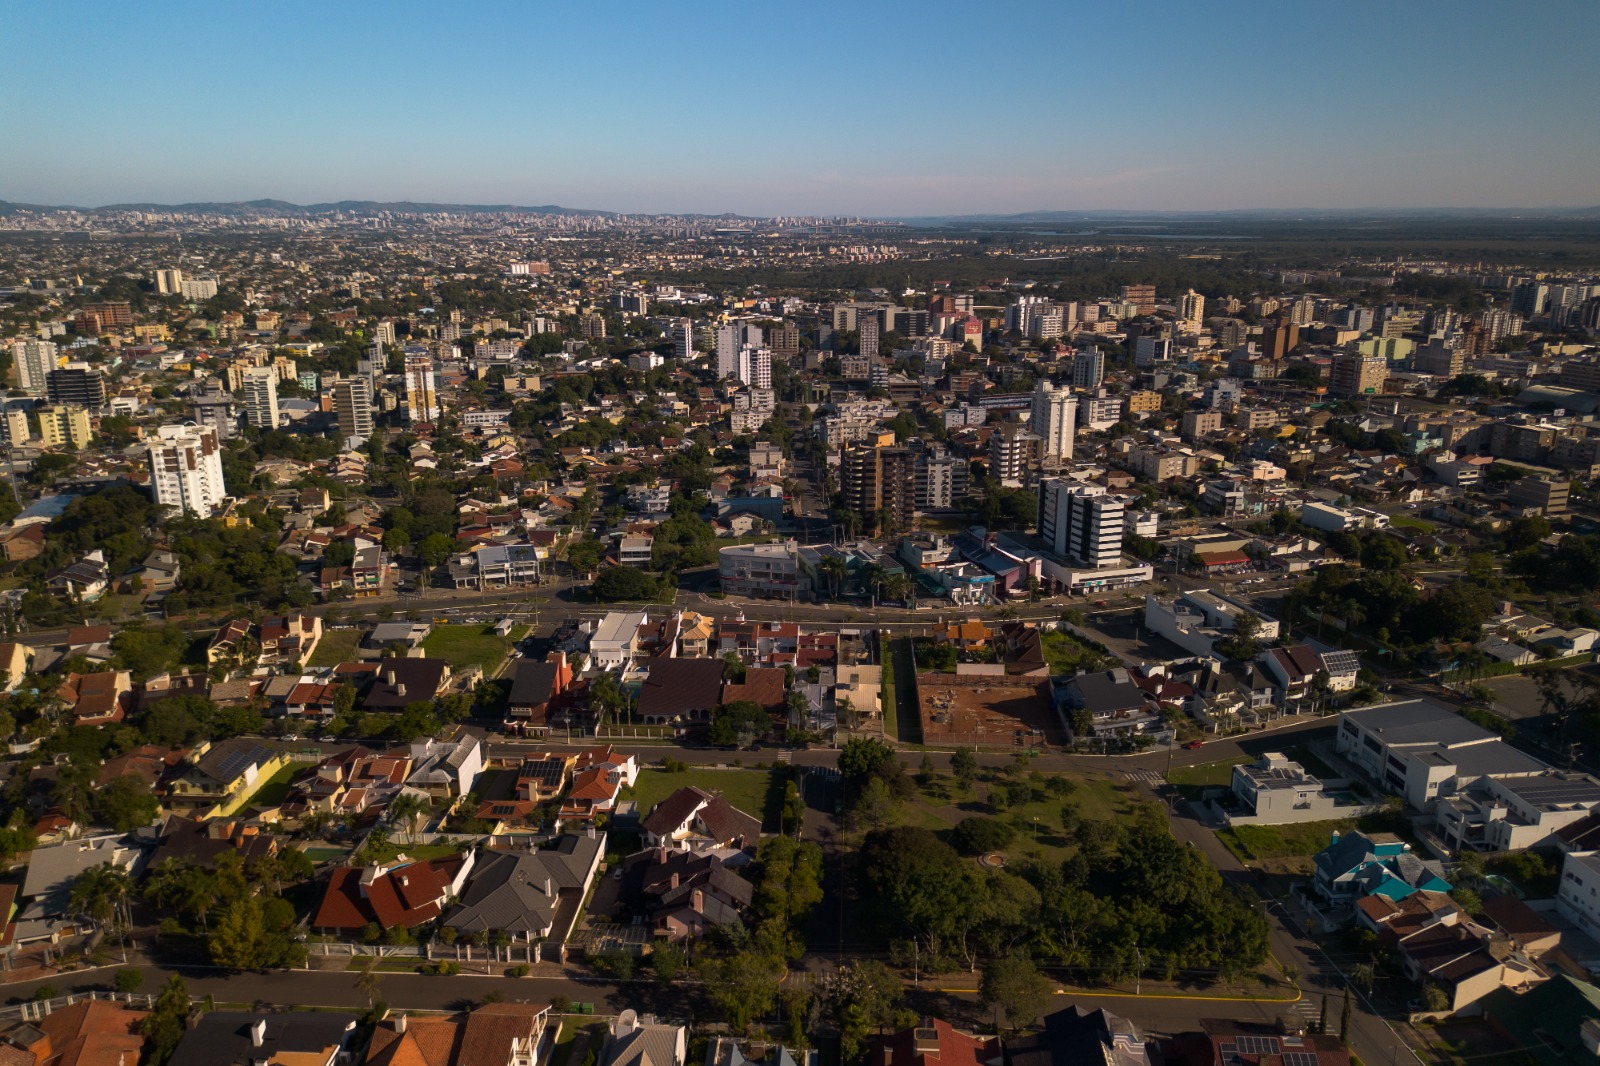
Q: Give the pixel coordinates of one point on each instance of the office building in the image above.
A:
(261, 397)
(352, 404)
(1192, 308)
(34, 361)
(186, 469)
(1053, 419)
(422, 389)
(1355, 374)
(1088, 369)
(1547, 495)
(77, 383)
(64, 425)
(1014, 455)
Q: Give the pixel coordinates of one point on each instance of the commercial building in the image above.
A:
(1197, 619)
(352, 404)
(1547, 495)
(764, 570)
(1053, 419)
(1081, 522)
(1514, 813)
(186, 469)
(1422, 751)
(261, 396)
(64, 425)
(422, 388)
(77, 383)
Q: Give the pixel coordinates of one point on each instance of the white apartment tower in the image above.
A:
(683, 340)
(186, 469)
(727, 352)
(1088, 369)
(261, 396)
(352, 403)
(1081, 522)
(422, 389)
(1054, 420)
(34, 360)
(1192, 308)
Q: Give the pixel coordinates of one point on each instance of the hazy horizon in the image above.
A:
(883, 110)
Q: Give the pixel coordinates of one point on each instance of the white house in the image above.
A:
(616, 638)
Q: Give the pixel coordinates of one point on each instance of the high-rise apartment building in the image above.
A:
(1143, 298)
(1277, 341)
(422, 389)
(592, 327)
(880, 484)
(1014, 455)
(352, 405)
(197, 289)
(64, 424)
(261, 397)
(1192, 307)
(785, 339)
(1082, 522)
(869, 326)
(1354, 374)
(1088, 369)
(936, 478)
(15, 426)
(186, 469)
(77, 383)
(1053, 420)
(731, 339)
(217, 410)
(383, 332)
(34, 360)
(683, 340)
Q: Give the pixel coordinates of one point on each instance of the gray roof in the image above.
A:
(519, 892)
(222, 1038)
(649, 1043)
(1489, 759)
(1418, 722)
(52, 870)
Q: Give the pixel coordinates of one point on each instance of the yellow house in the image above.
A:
(220, 779)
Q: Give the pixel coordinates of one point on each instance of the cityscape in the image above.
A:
(627, 601)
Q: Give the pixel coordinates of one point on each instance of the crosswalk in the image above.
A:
(785, 757)
(1148, 777)
(1309, 1009)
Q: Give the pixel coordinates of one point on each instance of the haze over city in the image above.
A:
(885, 109)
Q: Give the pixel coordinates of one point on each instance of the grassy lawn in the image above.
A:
(1405, 521)
(891, 709)
(272, 791)
(1066, 654)
(1251, 843)
(394, 848)
(1036, 822)
(335, 647)
(1193, 780)
(756, 792)
(462, 645)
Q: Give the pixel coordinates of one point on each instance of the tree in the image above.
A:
(742, 987)
(624, 583)
(738, 724)
(980, 835)
(167, 1021)
(102, 894)
(368, 982)
(436, 548)
(668, 959)
(128, 981)
(875, 805)
(862, 757)
(862, 998)
(1015, 985)
(1242, 642)
(964, 764)
(125, 804)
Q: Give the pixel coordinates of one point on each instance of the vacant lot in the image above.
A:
(336, 646)
(462, 645)
(756, 792)
(1193, 780)
(1252, 843)
(1031, 805)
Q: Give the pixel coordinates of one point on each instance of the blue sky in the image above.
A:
(824, 107)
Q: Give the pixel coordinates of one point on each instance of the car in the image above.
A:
(1194, 745)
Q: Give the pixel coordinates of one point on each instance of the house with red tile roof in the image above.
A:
(935, 1043)
(102, 698)
(405, 896)
(494, 1033)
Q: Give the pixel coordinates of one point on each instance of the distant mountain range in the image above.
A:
(284, 209)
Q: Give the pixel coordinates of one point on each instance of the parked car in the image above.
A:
(1195, 744)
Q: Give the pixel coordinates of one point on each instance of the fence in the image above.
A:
(33, 1010)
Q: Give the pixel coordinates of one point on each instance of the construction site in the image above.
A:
(987, 711)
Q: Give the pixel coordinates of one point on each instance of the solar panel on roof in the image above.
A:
(1300, 1058)
(1258, 1045)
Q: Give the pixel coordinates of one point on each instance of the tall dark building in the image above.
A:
(77, 383)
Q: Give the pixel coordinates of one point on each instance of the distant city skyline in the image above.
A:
(884, 110)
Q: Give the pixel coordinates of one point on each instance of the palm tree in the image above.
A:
(101, 894)
(366, 982)
(834, 569)
(872, 576)
(403, 810)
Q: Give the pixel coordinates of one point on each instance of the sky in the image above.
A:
(870, 107)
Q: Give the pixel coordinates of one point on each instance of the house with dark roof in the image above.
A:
(1075, 1036)
(694, 819)
(102, 698)
(536, 690)
(1554, 1024)
(632, 1040)
(1466, 961)
(220, 777)
(1222, 1042)
(1108, 703)
(683, 894)
(242, 1038)
(679, 691)
(727, 1051)
(388, 896)
(501, 1034)
(521, 893)
(202, 843)
(542, 775)
(1293, 670)
(1356, 864)
(402, 682)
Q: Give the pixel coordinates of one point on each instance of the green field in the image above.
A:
(1037, 822)
(461, 645)
(397, 847)
(1255, 842)
(756, 792)
(335, 647)
(1193, 780)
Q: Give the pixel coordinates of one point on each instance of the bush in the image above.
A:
(979, 835)
(442, 968)
(519, 971)
(127, 981)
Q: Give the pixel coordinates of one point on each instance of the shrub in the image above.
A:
(979, 835)
(518, 971)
